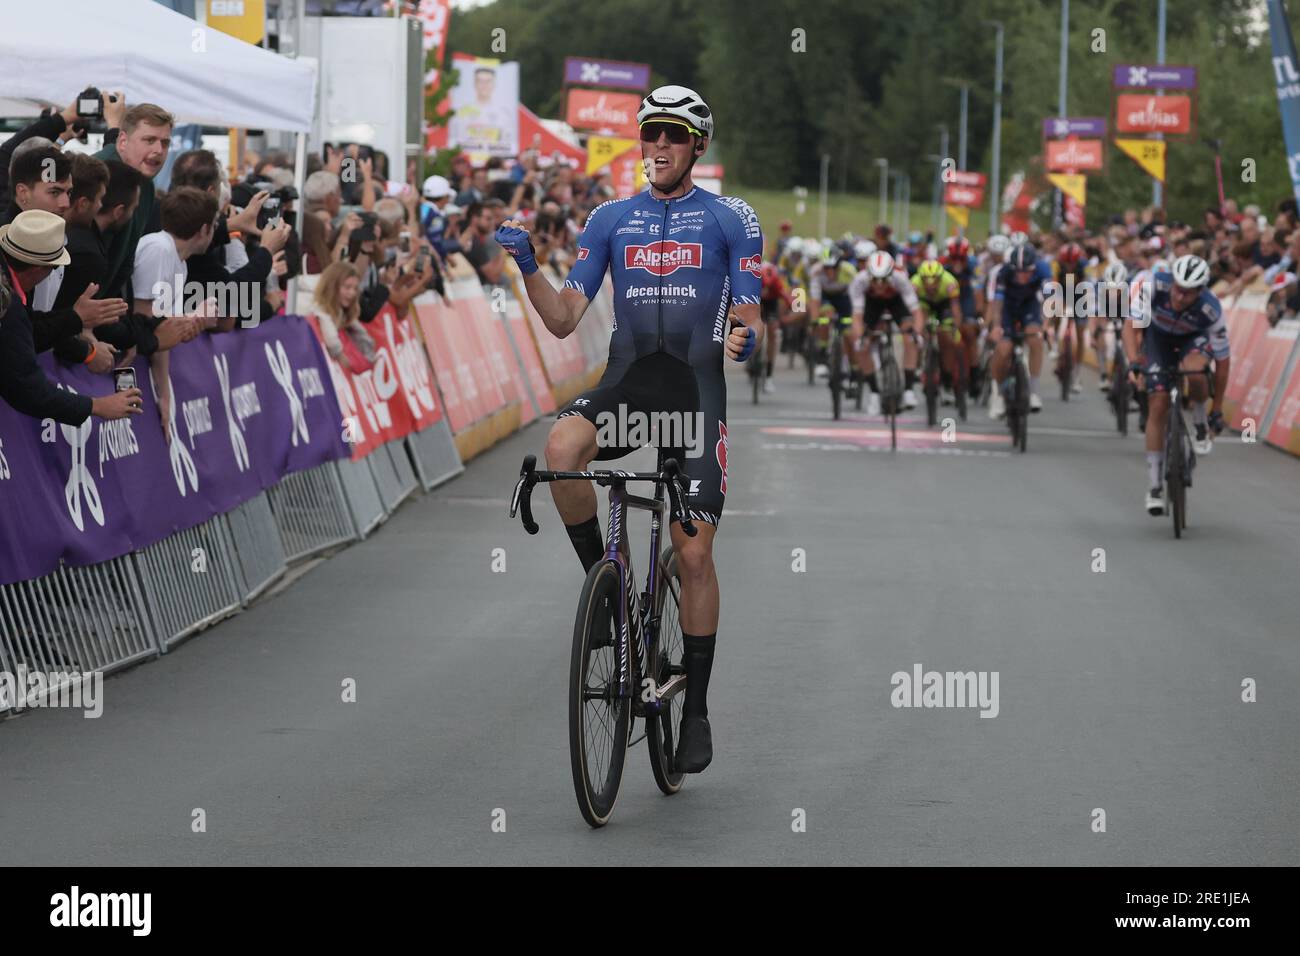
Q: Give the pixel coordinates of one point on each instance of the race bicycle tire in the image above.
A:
(665, 656)
(836, 375)
(597, 788)
(1175, 469)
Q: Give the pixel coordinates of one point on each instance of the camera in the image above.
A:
(90, 104)
(269, 214)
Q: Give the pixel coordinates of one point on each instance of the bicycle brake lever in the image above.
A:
(522, 498)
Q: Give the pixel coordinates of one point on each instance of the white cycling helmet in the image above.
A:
(1116, 274)
(794, 246)
(1191, 272)
(678, 101)
(863, 248)
(880, 265)
(812, 249)
(998, 245)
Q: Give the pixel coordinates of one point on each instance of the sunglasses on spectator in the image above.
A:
(678, 133)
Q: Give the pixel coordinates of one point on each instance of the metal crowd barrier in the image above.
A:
(361, 495)
(310, 512)
(82, 619)
(189, 580)
(258, 546)
(434, 453)
(393, 474)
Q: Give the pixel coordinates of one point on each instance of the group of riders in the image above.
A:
(1159, 312)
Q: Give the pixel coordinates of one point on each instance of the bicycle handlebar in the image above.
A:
(529, 476)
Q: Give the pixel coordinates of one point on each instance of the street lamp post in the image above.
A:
(884, 189)
(995, 193)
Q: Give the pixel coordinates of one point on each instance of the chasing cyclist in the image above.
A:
(940, 296)
(680, 258)
(883, 287)
(1184, 330)
(1018, 300)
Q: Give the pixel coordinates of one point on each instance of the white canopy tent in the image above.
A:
(50, 50)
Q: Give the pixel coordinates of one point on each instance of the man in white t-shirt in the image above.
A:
(158, 282)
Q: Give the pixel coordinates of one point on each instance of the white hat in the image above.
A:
(35, 237)
(436, 187)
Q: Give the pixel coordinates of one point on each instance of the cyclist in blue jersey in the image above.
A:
(1017, 298)
(686, 266)
(961, 263)
(1184, 329)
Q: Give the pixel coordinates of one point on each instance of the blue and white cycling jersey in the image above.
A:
(1022, 300)
(677, 266)
(1204, 318)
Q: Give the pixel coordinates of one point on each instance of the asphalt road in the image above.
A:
(1118, 691)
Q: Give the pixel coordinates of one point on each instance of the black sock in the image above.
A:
(697, 659)
(871, 381)
(587, 541)
(909, 377)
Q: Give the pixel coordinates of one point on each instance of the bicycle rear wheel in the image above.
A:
(837, 375)
(931, 386)
(665, 663)
(598, 715)
(1020, 397)
(1066, 367)
(960, 386)
(1175, 469)
(1120, 396)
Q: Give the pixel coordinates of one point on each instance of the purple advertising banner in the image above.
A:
(247, 409)
(631, 76)
(1092, 126)
(1154, 77)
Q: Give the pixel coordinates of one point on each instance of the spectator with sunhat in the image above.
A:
(30, 248)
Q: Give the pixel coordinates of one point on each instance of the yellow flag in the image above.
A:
(1147, 153)
(1074, 185)
(960, 215)
(245, 19)
(603, 150)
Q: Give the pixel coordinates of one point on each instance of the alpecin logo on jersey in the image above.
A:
(664, 258)
(753, 264)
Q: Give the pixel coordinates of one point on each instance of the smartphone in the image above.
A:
(269, 214)
(406, 242)
(390, 255)
(421, 261)
(123, 379)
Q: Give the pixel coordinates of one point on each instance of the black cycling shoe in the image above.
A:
(694, 745)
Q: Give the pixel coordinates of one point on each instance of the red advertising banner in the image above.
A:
(962, 178)
(1249, 385)
(1285, 429)
(450, 355)
(1268, 361)
(562, 358)
(958, 195)
(483, 327)
(392, 398)
(528, 352)
(1146, 113)
(1074, 155)
(598, 110)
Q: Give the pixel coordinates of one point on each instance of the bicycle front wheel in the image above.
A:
(665, 664)
(1176, 474)
(837, 375)
(599, 713)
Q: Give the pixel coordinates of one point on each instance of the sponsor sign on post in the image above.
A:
(598, 110)
(586, 72)
(1148, 113)
(1074, 155)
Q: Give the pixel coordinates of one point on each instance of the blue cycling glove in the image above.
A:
(517, 244)
(750, 344)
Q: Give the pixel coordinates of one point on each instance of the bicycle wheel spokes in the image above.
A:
(599, 712)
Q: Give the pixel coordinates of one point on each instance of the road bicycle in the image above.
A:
(932, 376)
(1180, 454)
(626, 660)
(845, 379)
(1018, 398)
(890, 379)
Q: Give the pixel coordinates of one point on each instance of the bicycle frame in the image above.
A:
(637, 621)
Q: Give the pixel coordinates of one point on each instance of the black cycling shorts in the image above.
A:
(877, 307)
(665, 400)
